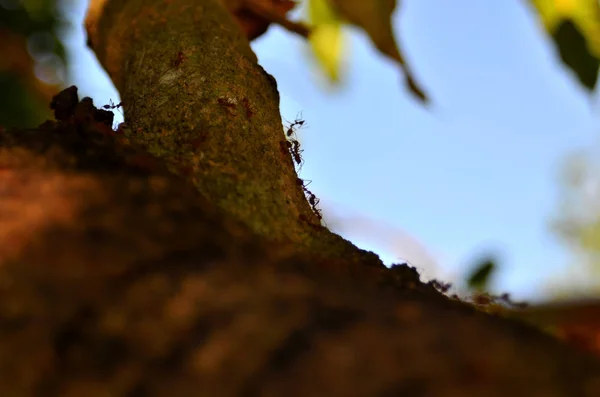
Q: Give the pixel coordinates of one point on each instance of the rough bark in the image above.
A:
(169, 259)
(194, 95)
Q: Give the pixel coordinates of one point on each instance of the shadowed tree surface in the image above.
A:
(180, 257)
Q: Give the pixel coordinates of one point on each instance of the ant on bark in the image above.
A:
(294, 149)
(293, 144)
(296, 124)
(296, 153)
(310, 196)
(112, 105)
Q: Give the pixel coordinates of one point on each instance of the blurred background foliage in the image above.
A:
(33, 62)
(577, 221)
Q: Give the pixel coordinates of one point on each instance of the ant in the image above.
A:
(297, 123)
(293, 148)
(296, 153)
(285, 146)
(292, 142)
(312, 199)
(440, 286)
(112, 105)
(313, 205)
(310, 196)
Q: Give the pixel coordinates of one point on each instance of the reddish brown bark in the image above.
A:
(119, 277)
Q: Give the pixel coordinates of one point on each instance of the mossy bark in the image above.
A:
(195, 96)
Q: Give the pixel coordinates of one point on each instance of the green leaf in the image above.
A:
(574, 53)
(574, 26)
(480, 275)
(327, 38)
(375, 18)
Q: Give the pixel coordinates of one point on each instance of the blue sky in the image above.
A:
(475, 173)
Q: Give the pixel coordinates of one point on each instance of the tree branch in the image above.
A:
(119, 278)
(195, 96)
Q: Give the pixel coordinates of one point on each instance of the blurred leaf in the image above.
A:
(326, 42)
(327, 37)
(17, 107)
(375, 18)
(480, 276)
(574, 53)
(576, 222)
(32, 60)
(575, 28)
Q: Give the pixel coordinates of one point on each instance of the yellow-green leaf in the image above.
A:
(327, 38)
(326, 42)
(479, 277)
(375, 18)
(575, 28)
(320, 12)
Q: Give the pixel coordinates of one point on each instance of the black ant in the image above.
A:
(310, 196)
(285, 146)
(303, 182)
(312, 199)
(441, 286)
(292, 142)
(297, 123)
(293, 148)
(296, 153)
(112, 105)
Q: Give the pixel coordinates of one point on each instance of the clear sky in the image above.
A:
(475, 173)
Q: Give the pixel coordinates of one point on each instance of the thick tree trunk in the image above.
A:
(120, 278)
